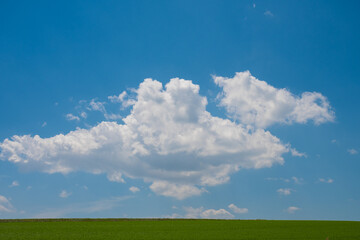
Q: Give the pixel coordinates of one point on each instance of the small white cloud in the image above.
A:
(118, 99)
(134, 189)
(216, 214)
(85, 187)
(295, 153)
(83, 115)
(207, 214)
(297, 180)
(44, 124)
(64, 194)
(238, 210)
(100, 106)
(178, 191)
(254, 5)
(28, 187)
(334, 141)
(352, 151)
(123, 98)
(96, 106)
(72, 117)
(268, 13)
(174, 215)
(5, 205)
(329, 180)
(292, 210)
(284, 191)
(14, 184)
(277, 179)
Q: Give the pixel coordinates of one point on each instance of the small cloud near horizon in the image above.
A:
(292, 209)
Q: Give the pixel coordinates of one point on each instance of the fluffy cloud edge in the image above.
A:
(257, 103)
(168, 140)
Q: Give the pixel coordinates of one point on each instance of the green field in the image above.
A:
(177, 229)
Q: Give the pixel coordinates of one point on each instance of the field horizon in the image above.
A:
(165, 228)
(160, 219)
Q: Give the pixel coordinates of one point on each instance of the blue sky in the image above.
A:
(265, 124)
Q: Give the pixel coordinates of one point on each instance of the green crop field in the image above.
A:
(177, 229)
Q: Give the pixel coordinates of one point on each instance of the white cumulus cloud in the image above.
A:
(257, 103)
(134, 189)
(238, 210)
(207, 214)
(169, 139)
(216, 214)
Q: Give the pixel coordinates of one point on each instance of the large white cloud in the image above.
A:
(169, 140)
(257, 103)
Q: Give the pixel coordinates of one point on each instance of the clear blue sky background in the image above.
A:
(54, 54)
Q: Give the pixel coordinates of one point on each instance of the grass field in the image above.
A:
(177, 229)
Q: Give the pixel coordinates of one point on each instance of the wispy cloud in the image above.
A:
(72, 117)
(118, 99)
(297, 180)
(5, 205)
(328, 180)
(352, 151)
(295, 153)
(14, 184)
(86, 208)
(83, 115)
(268, 13)
(294, 179)
(96, 106)
(284, 191)
(64, 194)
